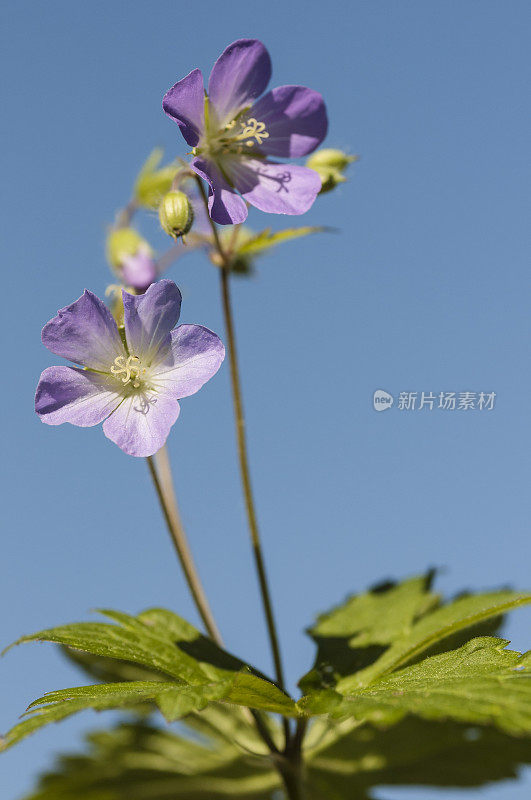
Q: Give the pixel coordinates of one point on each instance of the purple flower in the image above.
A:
(131, 387)
(232, 134)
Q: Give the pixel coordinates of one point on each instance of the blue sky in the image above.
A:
(425, 288)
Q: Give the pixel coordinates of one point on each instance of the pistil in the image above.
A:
(131, 369)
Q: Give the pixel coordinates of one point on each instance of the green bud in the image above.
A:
(152, 183)
(328, 158)
(176, 214)
(124, 242)
(330, 165)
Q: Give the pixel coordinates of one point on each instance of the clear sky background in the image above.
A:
(426, 288)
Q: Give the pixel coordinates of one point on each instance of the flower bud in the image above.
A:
(124, 242)
(139, 271)
(176, 214)
(152, 183)
(131, 257)
(330, 165)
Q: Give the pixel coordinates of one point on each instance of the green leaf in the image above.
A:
(59, 705)
(136, 644)
(136, 762)
(201, 672)
(258, 243)
(181, 701)
(321, 701)
(174, 700)
(414, 752)
(108, 670)
(177, 632)
(481, 682)
(356, 633)
(433, 628)
(397, 624)
(214, 661)
(381, 615)
(250, 690)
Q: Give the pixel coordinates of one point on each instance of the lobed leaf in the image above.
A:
(381, 615)
(481, 682)
(200, 671)
(357, 632)
(436, 627)
(414, 752)
(136, 762)
(59, 705)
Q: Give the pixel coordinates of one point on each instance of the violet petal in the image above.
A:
(141, 423)
(196, 355)
(185, 103)
(78, 396)
(295, 120)
(276, 188)
(84, 332)
(225, 206)
(238, 77)
(149, 318)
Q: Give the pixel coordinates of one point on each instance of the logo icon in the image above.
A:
(382, 400)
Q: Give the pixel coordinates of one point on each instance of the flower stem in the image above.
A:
(160, 471)
(291, 764)
(242, 454)
(246, 477)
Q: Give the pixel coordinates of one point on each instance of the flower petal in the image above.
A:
(78, 396)
(226, 207)
(185, 103)
(276, 188)
(295, 119)
(196, 355)
(149, 318)
(85, 332)
(238, 77)
(141, 424)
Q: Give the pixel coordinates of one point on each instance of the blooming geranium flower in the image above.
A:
(232, 134)
(131, 384)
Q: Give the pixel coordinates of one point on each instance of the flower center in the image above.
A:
(251, 131)
(128, 370)
(235, 138)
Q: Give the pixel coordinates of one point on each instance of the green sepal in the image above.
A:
(152, 182)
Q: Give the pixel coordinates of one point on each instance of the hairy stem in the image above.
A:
(246, 477)
(160, 471)
(242, 453)
(291, 764)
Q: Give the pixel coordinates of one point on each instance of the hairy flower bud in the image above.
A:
(176, 214)
(122, 243)
(330, 164)
(131, 257)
